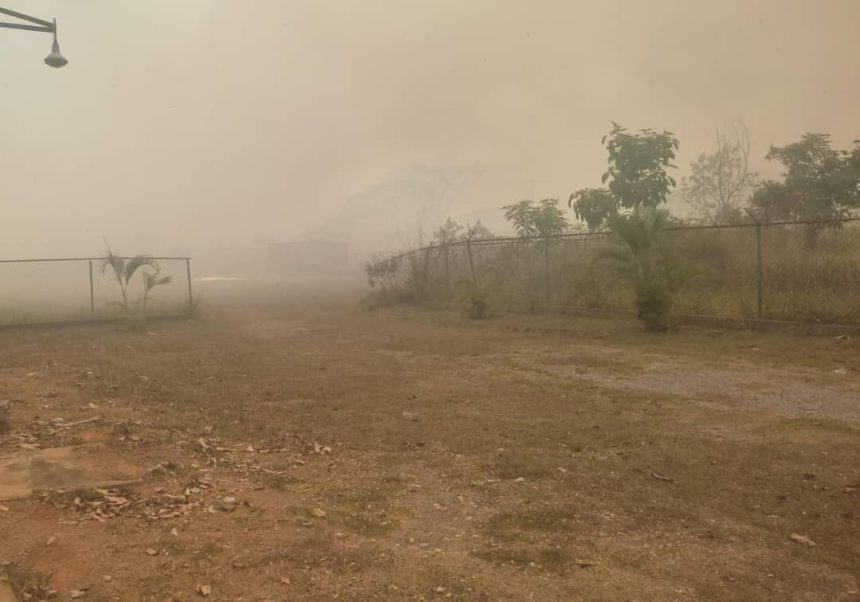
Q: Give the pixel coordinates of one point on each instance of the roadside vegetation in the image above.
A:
(757, 248)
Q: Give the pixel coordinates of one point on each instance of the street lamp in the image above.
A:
(55, 59)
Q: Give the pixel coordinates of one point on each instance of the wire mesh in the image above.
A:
(808, 272)
(59, 291)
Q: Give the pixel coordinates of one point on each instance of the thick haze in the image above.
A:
(212, 127)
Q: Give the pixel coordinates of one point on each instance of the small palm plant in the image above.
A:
(150, 281)
(123, 269)
(655, 278)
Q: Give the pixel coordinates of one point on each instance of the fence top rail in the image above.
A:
(43, 260)
(570, 235)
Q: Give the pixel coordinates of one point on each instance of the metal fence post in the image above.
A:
(546, 270)
(426, 276)
(92, 292)
(471, 262)
(759, 270)
(447, 273)
(190, 293)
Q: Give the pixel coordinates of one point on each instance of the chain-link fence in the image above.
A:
(78, 289)
(799, 271)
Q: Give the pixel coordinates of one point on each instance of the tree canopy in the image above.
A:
(638, 164)
(820, 182)
(536, 220)
(637, 176)
(595, 206)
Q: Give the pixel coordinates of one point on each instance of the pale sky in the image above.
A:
(183, 126)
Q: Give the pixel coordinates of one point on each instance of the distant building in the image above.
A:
(309, 257)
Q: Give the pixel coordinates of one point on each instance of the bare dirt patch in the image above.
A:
(309, 454)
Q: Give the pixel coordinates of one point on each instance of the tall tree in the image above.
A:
(720, 181)
(820, 182)
(638, 180)
(638, 165)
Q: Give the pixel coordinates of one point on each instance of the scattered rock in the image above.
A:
(152, 551)
(226, 504)
(661, 477)
(77, 593)
(318, 512)
(204, 590)
(801, 539)
(321, 449)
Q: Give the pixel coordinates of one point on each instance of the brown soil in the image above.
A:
(403, 455)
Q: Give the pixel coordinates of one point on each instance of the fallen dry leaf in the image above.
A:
(661, 477)
(801, 539)
(77, 593)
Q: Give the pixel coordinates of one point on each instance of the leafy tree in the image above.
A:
(655, 277)
(542, 220)
(476, 231)
(820, 182)
(638, 165)
(774, 202)
(595, 206)
(721, 181)
(638, 183)
(448, 232)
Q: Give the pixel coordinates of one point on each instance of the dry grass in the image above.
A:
(498, 460)
(808, 276)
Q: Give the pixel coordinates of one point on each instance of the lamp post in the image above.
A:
(55, 59)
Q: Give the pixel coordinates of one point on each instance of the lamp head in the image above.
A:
(55, 59)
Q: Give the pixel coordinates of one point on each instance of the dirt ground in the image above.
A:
(322, 453)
